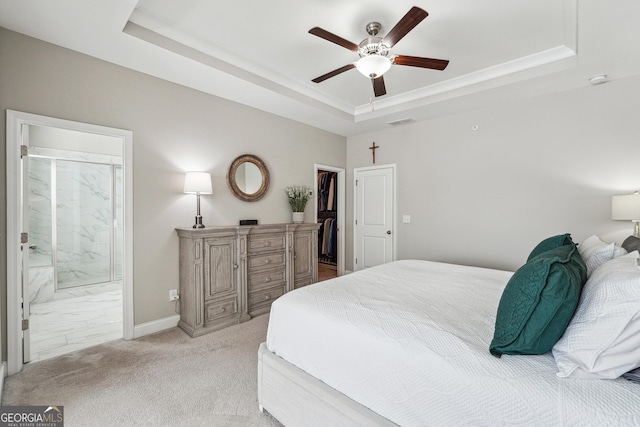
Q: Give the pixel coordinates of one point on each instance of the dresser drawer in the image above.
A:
(264, 297)
(269, 242)
(220, 309)
(269, 260)
(264, 279)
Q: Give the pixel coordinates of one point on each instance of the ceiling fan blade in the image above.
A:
(406, 24)
(378, 86)
(333, 73)
(324, 34)
(416, 61)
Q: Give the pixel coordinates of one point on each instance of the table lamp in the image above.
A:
(627, 208)
(197, 183)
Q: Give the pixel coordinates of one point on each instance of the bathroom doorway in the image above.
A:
(75, 241)
(73, 286)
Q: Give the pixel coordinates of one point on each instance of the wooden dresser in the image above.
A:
(230, 274)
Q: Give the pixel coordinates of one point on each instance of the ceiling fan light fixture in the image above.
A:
(373, 66)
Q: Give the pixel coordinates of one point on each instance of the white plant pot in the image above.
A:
(297, 217)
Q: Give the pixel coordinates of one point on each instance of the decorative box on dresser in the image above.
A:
(229, 274)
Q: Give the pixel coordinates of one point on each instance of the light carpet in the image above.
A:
(165, 379)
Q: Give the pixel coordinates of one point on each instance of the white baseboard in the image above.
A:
(155, 326)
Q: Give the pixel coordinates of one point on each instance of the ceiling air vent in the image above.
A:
(400, 121)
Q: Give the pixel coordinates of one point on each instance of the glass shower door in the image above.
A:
(84, 221)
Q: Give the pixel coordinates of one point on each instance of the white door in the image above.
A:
(25, 246)
(374, 216)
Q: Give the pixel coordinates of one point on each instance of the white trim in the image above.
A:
(14, 265)
(395, 208)
(15, 120)
(156, 326)
(341, 209)
(424, 95)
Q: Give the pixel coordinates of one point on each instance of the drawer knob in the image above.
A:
(222, 309)
(268, 243)
(267, 261)
(268, 279)
(267, 297)
(235, 265)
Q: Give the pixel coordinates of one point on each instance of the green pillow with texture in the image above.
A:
(538, 302)
(551, 243)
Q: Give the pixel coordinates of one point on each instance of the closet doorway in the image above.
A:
(330, 212)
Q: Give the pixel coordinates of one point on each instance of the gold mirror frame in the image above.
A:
(233, 185)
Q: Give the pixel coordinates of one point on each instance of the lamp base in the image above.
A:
(636, 228)
(198, 223)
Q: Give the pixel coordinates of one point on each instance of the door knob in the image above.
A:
(388, 231)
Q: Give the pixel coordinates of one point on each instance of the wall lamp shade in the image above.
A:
(627, 208)
(373, 66)
(197, 183)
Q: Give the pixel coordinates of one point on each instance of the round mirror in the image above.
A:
(248, 178)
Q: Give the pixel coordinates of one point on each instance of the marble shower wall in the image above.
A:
(40, 230)
(84, 231)
(41, 277)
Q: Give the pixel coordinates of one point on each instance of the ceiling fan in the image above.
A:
(374, 51)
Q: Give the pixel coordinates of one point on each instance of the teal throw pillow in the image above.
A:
(550, 243)
(538, 302)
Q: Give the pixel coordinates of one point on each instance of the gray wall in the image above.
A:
(175, 129)
(532, 169)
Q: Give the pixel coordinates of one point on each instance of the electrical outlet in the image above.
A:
(173, 295)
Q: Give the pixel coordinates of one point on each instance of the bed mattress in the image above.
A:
(410, 340)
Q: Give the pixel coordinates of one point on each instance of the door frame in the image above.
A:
(394, 209)
(341, 185)
(15, 121)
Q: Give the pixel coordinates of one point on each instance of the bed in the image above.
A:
(406, 343)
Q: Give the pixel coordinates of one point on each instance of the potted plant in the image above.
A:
(298, 196)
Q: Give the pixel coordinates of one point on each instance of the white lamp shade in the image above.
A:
(626, 207)
(373, 66)
(197, 183)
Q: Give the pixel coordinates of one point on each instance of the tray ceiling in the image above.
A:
(261, 54)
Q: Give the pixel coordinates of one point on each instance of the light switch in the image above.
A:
(406, 219)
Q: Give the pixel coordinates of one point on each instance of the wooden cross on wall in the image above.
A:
(373, 151)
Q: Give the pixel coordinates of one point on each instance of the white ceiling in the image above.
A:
(260, 53)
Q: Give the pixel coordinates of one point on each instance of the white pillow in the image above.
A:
(603, 337)
(595, 252)
(619, 251)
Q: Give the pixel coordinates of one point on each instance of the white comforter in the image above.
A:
(410, 341)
